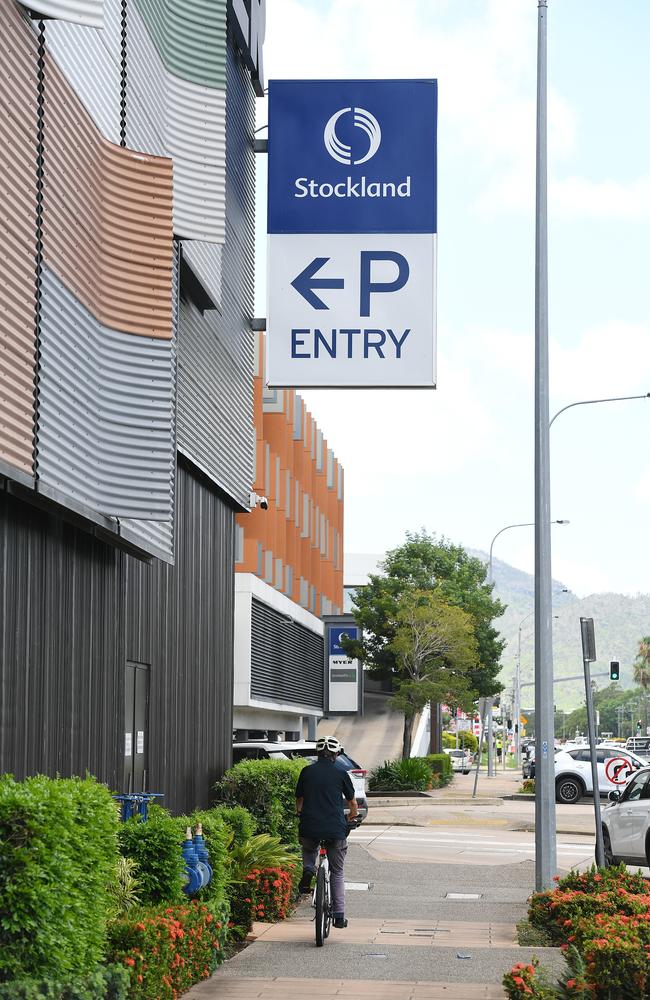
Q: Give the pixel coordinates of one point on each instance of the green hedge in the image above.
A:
(58, 851)
(155, 846)
(440, 763)
(110, 982)
(267, 788)
(240, 821)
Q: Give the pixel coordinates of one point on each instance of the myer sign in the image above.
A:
(352, 233)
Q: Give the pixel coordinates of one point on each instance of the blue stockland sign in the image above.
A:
(352, 156)
(336, 649)
(352, 233)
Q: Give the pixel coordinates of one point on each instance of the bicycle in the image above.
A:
(321, 899)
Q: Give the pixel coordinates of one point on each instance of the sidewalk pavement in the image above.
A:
(407, 939)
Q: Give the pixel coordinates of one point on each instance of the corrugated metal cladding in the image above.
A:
(286, 659)
(205, 259)
(216, 350)
(90, 61)
(106, 417)
(76, 610)
(190, 39)
(17, 246)
(107, 225)
(88, 12)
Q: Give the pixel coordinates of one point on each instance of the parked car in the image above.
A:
(268, 750)
(626, 822)
(640, 745)
(573, 771)
(461, 760)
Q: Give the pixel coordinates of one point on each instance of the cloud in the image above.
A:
(642, 490)
(612, 359)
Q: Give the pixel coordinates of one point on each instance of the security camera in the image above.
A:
(256, 500)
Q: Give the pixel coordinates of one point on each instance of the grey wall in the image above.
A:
(216, 347)
(76, 608)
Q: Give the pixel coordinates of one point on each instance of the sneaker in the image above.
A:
(304, 886)
(340, 922)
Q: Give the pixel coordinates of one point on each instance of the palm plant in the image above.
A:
(642, 663)
(260, 852)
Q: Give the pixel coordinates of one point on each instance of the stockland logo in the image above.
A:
(370, 136)
(362, 120)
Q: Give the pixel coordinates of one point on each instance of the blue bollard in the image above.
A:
(202, 854)
(193, 872)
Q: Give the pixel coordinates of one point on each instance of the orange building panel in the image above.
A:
(300, 535)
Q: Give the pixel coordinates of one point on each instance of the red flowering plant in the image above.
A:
(264, 894)
(601, 919)
(168, 948)
(527, 980)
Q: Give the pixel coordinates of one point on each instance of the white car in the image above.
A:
(461, 760)
(283, 750)
(626, 822)
(573, 771)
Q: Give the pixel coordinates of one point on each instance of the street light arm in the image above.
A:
(526, 524)
(587, 402)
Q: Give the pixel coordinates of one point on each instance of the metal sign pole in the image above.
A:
(482, 705)
(588, 656)
(545, 829)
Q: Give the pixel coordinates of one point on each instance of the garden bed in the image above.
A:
(601, 921)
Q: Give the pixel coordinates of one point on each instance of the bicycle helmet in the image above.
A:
(328, 743)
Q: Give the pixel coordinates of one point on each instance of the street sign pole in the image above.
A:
(482, 708)
(545, 831)
(490, 738)
(588, 656)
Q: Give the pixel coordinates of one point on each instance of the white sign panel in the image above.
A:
(352, 310)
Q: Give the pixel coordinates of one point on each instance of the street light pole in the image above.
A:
(490, 575)
(588, 402)
(545, 833)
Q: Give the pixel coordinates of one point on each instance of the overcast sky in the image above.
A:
(459, 460)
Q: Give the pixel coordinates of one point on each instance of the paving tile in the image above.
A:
(326, 989)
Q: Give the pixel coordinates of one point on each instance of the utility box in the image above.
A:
(343, 676)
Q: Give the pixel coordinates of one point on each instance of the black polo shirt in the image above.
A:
(322, 786)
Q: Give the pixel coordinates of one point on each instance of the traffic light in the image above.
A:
(614, 670)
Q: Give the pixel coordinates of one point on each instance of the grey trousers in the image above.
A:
(336, 851)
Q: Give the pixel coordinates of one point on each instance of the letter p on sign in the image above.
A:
(368, 286)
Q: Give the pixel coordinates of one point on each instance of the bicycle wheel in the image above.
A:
(328, 907)
(321, 907)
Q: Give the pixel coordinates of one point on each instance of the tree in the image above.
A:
(435, 648)
(425, 563)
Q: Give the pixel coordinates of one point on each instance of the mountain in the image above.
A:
(619, 622)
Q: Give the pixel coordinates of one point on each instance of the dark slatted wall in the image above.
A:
(76, 609)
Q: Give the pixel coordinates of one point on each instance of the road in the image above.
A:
(468, 846)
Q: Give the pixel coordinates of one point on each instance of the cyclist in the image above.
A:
(320, 793)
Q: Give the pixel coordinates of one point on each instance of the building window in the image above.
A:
(268, 567)
(323, 535)
(330, 469)
(267, 469)
(297, 418)
(296, 506)
(340, 483)
(278, 482)
(260, 559)
(287, 493)
(288, 575)
(319, 451)
(305, 516)
(304, 592)
(278, 574)
(239, 544)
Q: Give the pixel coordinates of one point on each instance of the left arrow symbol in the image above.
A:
(306, 282)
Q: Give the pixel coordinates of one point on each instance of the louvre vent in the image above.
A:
(286, 659)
